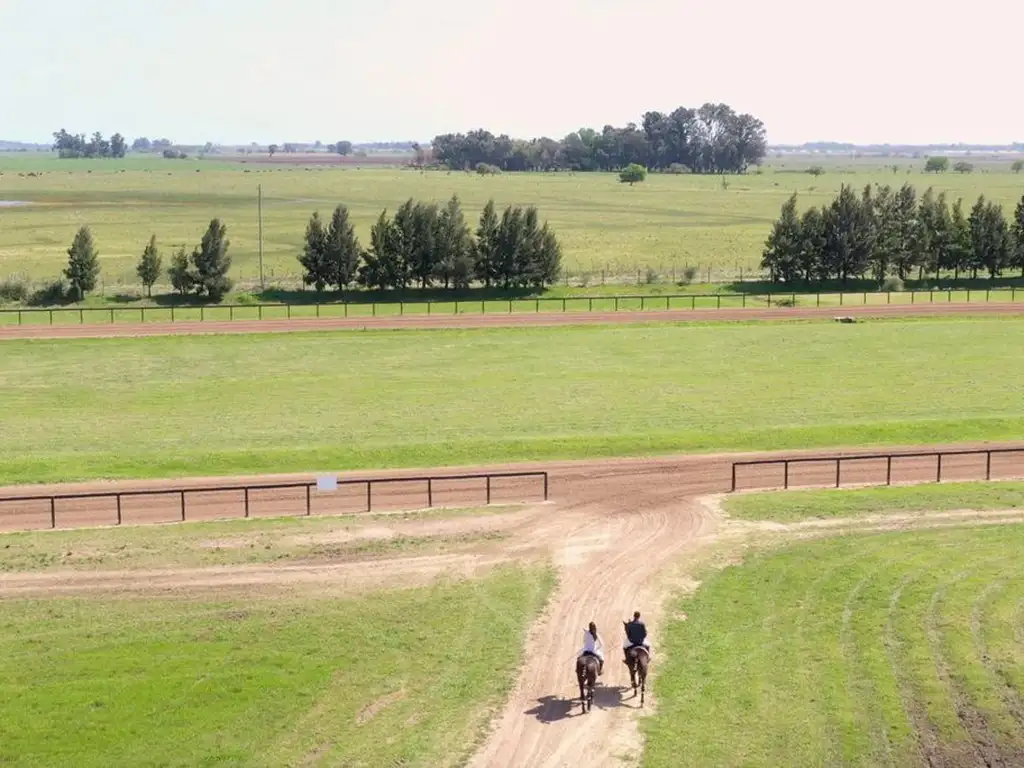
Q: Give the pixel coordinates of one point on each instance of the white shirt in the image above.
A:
(591, 644)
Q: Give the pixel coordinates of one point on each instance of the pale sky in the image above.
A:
(898, 71)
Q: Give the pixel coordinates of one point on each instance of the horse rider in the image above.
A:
(593, 646)
(636, 636)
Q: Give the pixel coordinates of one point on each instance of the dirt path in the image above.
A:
(496, 320)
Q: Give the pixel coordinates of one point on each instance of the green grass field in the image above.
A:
(393, 678)
(331, 401)
(832, 503)
(895, 649)
(609, 230)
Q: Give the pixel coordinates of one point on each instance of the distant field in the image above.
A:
(899, 649)
(393, 678)
(609, 230)
(263, 403)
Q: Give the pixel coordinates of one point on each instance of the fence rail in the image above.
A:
(889, 458)
(43, 505)
(624, 302)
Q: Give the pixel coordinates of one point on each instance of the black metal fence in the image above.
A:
(692, 301)
(298, 504)
(889, 458)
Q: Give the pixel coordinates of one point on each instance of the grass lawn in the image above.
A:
(790, 506)
(886, 650)
(608, 229)
(331, 401)
(396, 678)
(232, 542)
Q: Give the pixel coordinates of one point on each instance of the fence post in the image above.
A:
(172, 313)
(536, 306)
(693, 302)
(785, 476)
(369, 495)
(373, 308)
(430, 492)
(231, 312)
(119, 509)
(938, 469)
(488, 490)
(913, 297)
(931, 296)
(719, 298)
(988, 465)
(309, 500)
(143, 318)
(51, 317)
(456, 306)
(545, 486)
(563, 303)
(838, 462)
(642, 303)
(259, 311)
(81, 316)
(246, 501)
(769, 300)
(733, 490)
(865, 302)
(510, 305)
(888, 297)
(986, 295)
(744, 300)
(111, 315)
(668, 303)
(840, 298)
(819, 299)
(53, 512)
(202, 313)
(19, 317)
(888, 470)
(483, 309)
(183, 505)
(616, 303)
(968, 295)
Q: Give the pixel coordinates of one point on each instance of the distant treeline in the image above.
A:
(890, 232)
(711, 139)
(76, 145)
(425, 245)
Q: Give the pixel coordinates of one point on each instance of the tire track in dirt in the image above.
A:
(496, 320)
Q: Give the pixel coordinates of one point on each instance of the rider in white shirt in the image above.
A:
(593, 645)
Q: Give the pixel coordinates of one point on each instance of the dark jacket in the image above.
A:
(636, 631)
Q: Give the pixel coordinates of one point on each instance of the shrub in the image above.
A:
(689, 274)
(633, 174)
(650, 276)
(13, 289)
(678, 169)
(892, 284)
(816, 170)
(486, 169)
(54, 292)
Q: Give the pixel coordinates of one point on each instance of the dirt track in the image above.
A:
(496, 320)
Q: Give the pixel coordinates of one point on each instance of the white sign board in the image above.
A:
(327, 483)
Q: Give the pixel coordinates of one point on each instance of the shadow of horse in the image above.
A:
(610, 696)
(551, 709)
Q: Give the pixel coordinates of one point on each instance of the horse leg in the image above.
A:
(643, 682)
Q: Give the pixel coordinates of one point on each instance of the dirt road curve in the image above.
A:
(496, 320)
(612, 529)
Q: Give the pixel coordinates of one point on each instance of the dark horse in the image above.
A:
(638, 658)
(586, 674)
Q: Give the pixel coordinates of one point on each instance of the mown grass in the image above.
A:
(228, 543)
(790, 506)
(887, 650)
(395, 678)
(610, 230)
(332, 401)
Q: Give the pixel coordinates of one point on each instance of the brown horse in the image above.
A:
(638, 658)
(586, 675)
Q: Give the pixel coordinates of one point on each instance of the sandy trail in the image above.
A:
(496, 320)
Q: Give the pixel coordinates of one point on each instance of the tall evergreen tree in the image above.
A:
(848, 235)
(424, 254)
(314, 255)
(1017, 231)
(211, 261)
(960, 248)
(781, 256)
(404, 231)
(379, 263)
(485, 252)
(180, 272)
(83, 263)
(887, 236)
(941, 238)
(812, 244)
(547, 263)
(454, 247)
(990, 238)
(907, 230)
(342, 251)
(149, 266)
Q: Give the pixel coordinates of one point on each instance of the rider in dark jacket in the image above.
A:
(636, 633)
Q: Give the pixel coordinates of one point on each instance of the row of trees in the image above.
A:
(76, 145)
(711, 139)
(885, 231)
(425, 245)
(203, 272)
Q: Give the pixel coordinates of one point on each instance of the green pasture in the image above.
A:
(833, 503)
(897, 649)
(609, 230)
(394, 678)
(153, 407)
(234, 542)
